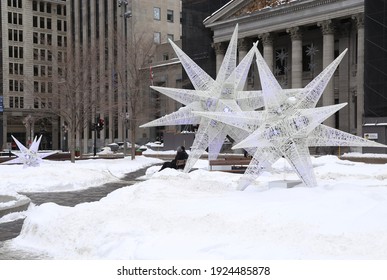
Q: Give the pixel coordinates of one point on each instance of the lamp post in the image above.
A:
(64, 130)
(125, 14)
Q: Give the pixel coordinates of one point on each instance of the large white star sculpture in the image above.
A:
(288, 125)
(225, 94)
(28, 157)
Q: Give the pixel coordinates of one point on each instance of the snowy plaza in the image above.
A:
(201, 214)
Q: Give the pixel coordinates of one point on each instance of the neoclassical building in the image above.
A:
(298, 39)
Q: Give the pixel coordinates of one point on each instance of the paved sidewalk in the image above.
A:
(12, 229)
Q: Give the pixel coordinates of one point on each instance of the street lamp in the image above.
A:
(125, 14)
(64, 143)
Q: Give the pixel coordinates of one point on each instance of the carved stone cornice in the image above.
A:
(257, 5)
(220, 48)
(267, 13)
(295, 33)
(359, 20)
(327, 27)
(266, 39)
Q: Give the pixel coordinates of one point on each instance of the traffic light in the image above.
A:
(100, 124)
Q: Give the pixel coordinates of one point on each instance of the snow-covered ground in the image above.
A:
(202, 215)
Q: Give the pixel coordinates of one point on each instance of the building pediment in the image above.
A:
(263, 16)
(240, 8)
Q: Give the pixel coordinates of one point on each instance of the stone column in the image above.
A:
(328, 97)
(267, 42)
(244, 45)
(111, 65)
(359, 19)
(220, 50)
(344, 96)
(296, 36)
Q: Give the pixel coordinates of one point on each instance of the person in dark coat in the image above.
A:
(181, 154)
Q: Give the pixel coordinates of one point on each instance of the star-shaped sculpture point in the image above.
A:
(28, 157)
(225, 94)
(288, 125)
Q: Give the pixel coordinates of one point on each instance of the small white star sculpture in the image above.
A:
(288, 125)
(28, 157)
(225, 94)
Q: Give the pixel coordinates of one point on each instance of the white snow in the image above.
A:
(201, 215)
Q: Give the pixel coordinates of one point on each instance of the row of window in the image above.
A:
(42, 103)
(42, 71)
(15, 52)
(42, 55)
(16, 85)
(44, 7)
(61, 25)
(157, 14)
(15, 35)
(157, 37)
(42, 87)
(42, 38)
(15, 3)
(16, 68)
(16, 102)
(15, 18)
(42, 22)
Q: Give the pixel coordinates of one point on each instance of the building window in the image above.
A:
(59, 10)
(49, 39)
(35, 21)
(36, 86)
(36, 70)
(35, 38)
(42, 21)
(36, 54)
(171, 37)
(41, 7)
(165, 56)
(11, 68)
(42, 55)
(36, 103)
(157, 37)
(42, 70)
(42, 38)
(170, 15)
(34, 5)
(156, 13)
(11, 102)
(49, 23)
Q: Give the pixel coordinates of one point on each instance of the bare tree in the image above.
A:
(138, 51)
(74, 97)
